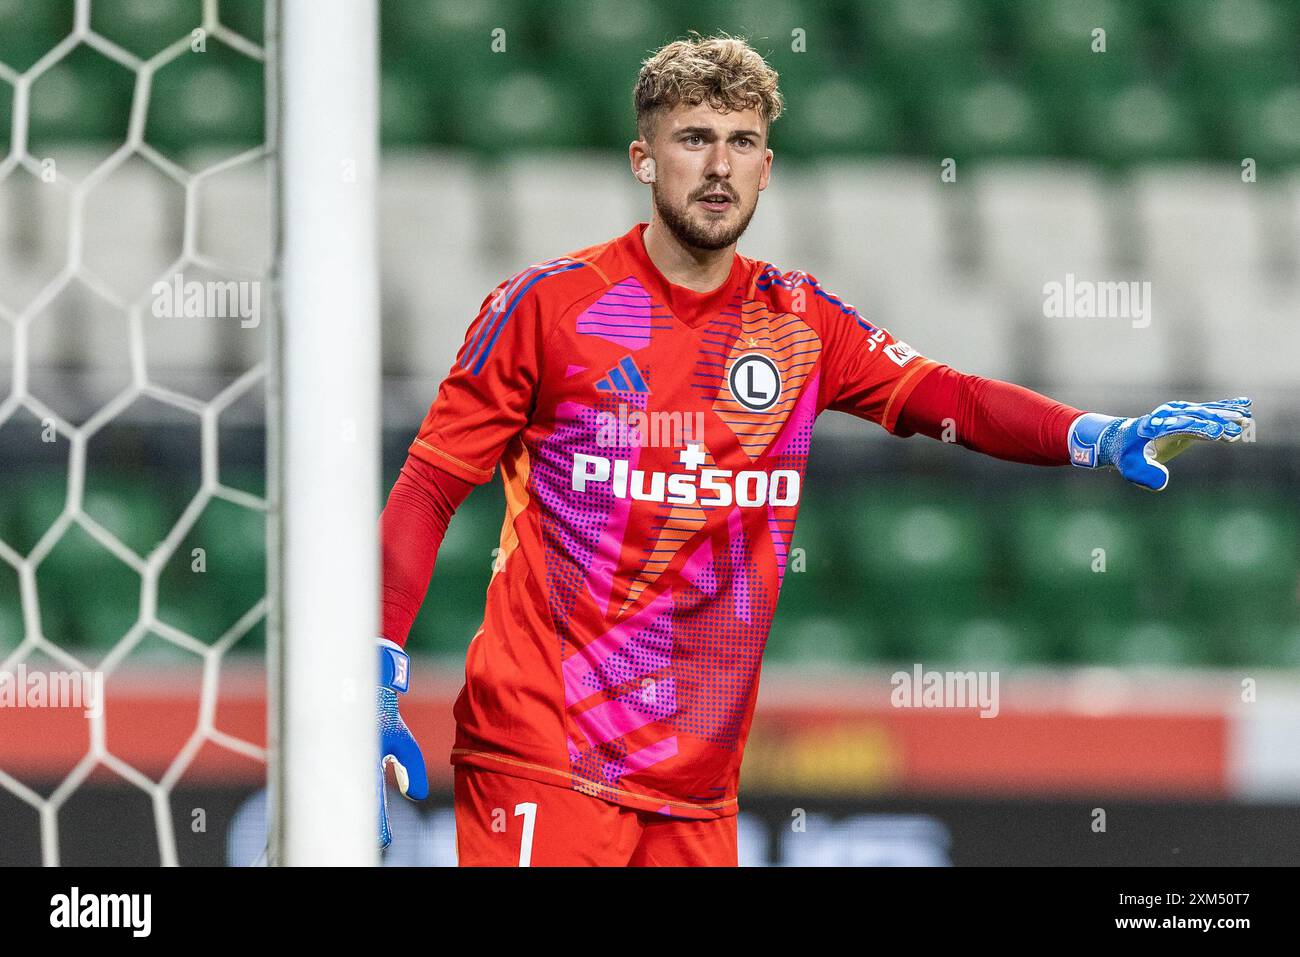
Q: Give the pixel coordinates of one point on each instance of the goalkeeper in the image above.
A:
(610, 689)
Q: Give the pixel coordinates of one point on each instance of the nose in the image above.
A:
(719, 164)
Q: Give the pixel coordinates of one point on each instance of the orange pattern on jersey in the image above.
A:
(789, 342)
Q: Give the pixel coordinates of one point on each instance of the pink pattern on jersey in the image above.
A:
(739, 561)
(640, 759)
(634, 648)
(621, 315)
(698, 569)
(582, 529)
(793, 441)
(624, 714)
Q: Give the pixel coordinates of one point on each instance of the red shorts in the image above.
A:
(504, 821)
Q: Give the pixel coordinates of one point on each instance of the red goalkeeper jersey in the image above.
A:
(652, 442)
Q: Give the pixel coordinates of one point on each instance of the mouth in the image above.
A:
(716, 202)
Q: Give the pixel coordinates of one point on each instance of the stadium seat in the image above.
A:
(919, 43)
(1221, 547)
(1153, 643)
(1039, 221)
(75, 615)
(1265, 126)
(411, 112)
(1198, 222)
(982, 640)
(519, 109)
(1056, 43)
(1069, 555)
(562, 203)
(207, 599)
(1234, 44)
(784, 222)
(991, 117)
(84, 97)
(146, 29)
(209, 99)
(11, 609)
(924, 553)
(880, 223)
(964, 323)
(28, 31)
(836, 115)
(1250, 338)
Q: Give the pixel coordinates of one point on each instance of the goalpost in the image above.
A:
(324, 797)
(321, 376)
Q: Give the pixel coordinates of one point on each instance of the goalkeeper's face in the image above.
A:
(706, 169)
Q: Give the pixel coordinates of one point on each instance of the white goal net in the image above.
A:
(135, 320)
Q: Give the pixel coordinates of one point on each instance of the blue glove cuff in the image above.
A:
(1086, 439)
(394, 667)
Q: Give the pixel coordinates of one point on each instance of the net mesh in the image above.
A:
(160, 361)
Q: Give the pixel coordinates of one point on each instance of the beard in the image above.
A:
(696, 233)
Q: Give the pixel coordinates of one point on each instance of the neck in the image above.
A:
(701, 270)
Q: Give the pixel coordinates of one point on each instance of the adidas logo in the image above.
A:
(624, 377)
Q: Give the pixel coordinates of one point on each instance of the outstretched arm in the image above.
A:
(1014, 423)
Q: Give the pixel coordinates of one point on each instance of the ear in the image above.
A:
(643, 164)
(766, 172)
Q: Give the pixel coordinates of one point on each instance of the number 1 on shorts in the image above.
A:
(528, 810)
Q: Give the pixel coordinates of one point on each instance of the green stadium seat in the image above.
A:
(30, 30)
(1138, 123)
(83, 97)
(1074, 555)
(143, 27)
(1142, 643)
(1235, 45)
(518, 109)
(1264, 125)
(449, 41)
(88, 597)
(1054, 39)
(837, 116)
(919, 43)
(207, 100)
(246, 17)
(37, 501)
(410, 113)
(11, 610)
(826, 639)
(206, 604)
(992, 118)
(131, 511)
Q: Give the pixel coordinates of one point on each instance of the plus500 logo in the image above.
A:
(750, 488)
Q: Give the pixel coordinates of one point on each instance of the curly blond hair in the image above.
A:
(721, 70)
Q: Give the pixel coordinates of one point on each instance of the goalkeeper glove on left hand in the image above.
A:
(396, 743)
(1139, 448)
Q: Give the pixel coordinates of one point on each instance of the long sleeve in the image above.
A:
(412, 526)
(997, 418)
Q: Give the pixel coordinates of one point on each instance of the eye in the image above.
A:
(693, 137)
(744, 141)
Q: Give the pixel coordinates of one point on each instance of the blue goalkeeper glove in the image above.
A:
(1140, 447)
(396, 743)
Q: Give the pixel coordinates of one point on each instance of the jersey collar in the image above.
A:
(691, 307)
